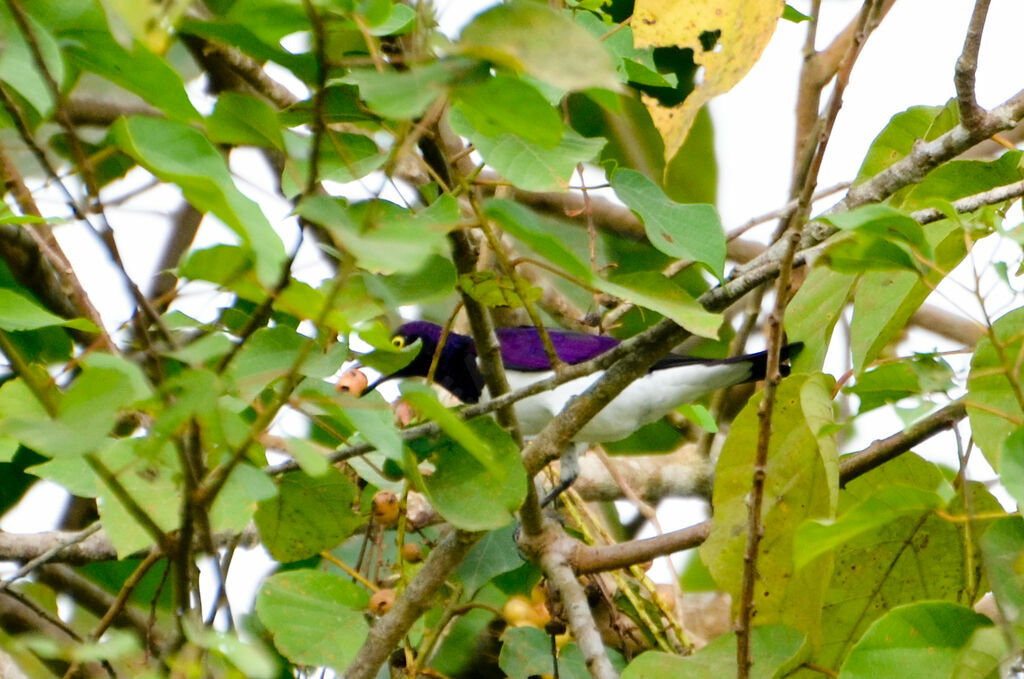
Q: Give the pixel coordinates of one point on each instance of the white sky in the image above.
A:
(908, 61)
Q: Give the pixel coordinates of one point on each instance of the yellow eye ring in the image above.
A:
(398, 342)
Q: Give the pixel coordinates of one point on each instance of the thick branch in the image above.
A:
(387, 633)
(554, 561)
(96, 547)
(681, 473)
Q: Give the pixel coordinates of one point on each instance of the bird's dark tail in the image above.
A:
(759, 361)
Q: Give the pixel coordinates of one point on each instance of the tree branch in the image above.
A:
(96, 547)
(387, 633)
(587, 559)
(971, 114)
(554, 556)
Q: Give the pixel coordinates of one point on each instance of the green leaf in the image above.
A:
(88, 410)
(527, 226)
(680, 231)
(530, 166)
(241, 119)
(1013, 465)
(432, 283)
(401, 20)
(382, 236)
(237, 501)
(802, 479)
(700, 416)
(267, 355)
(493, 290)
(882, 221)
(8, 449)
(178, 154)
(657, 293)
(890, 382)
(504, 104)
(645, 289)
(408, 94)
(910, 558)
(309, 456)
(202, 350)
(271, 353)
(310, 514)
(890, 503)
(547, 45)
(344, 157)
(1002, 545)
(376, 425)
(23, 219)
(256, 27)
(425, 401)
(960, 178)
(18, 67)
(526, 652)
(81, 28)
(21, 313)
(885, 300)
(251, 658)
(992, 404)
(776, 650)
(494, 554)
(898, 137)
(229, 266)
(632, 64)
(922, 640)
(315, 618)
(857, 253)
(791, 14)
(813, 312)
(152, 480)
(469, 492)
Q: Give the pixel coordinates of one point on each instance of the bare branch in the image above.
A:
(967, 66)
(681, 473)
(554, 559)
(95, 547)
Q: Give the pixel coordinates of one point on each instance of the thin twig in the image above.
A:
(50, 554)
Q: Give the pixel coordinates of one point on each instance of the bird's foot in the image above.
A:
(569, 471)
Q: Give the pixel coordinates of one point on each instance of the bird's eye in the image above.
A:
(398, 342)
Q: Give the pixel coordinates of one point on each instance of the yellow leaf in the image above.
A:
(745, 25)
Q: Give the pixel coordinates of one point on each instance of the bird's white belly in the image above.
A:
(645, 400)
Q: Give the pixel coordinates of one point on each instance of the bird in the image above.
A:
(672, 381)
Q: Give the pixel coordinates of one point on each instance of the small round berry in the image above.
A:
(412, 552)
(385, 507)
(382, 601)
(352, 381)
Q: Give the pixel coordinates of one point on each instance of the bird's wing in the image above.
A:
(522, 349)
